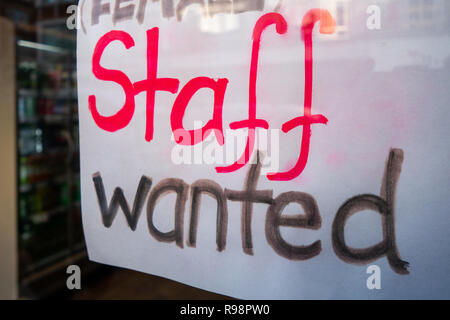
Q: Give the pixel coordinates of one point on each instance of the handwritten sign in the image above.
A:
(262, 149)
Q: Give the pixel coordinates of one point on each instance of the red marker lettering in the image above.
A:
(327, 26)
(179, 108)
(123, 117)
(252, 122)
(153, 84)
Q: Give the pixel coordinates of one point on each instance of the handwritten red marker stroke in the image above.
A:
(153, 84)
(123, 117)
(252, 122)
(327, 26)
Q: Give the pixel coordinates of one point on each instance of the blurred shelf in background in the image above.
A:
(49, 223)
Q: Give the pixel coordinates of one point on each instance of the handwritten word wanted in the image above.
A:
(309, 219)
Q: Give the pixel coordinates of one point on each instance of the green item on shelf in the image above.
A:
(30, 107)
(24, 172)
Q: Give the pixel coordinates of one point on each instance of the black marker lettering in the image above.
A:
(122, 13)
(98, 9)
(183, 4)
(249, 196)
(310, 220)
(385, 205)
(216, 191)
(219, 6)
(118, 199)
(166, 186)
(240, 6)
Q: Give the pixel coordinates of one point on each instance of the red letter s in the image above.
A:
(123, 117)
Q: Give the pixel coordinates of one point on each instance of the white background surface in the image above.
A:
(379, 89)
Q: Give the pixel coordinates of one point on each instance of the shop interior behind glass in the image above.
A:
(49, 226)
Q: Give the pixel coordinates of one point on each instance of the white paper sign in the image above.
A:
(268, 149)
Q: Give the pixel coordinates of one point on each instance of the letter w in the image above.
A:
(118, 199)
